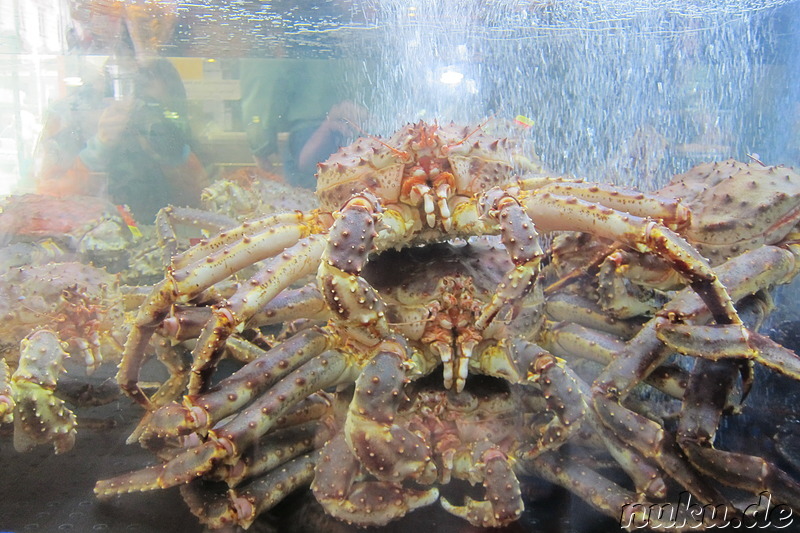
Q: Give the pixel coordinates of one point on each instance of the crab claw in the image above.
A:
(213, 509)
(41, 417)
(503, 502)
(7, 403)
(379, 502)
(170, 420)
(365, 503)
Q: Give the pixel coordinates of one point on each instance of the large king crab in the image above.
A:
(425, 184)
(436, 316)
(364, 475)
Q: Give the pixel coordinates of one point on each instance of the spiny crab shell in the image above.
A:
(737, 206)
(82, 303)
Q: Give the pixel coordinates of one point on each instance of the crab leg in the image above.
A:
(567, 395)
(178, 366)
(349, 296)
(721, 342)
(243, 350)
(326, 370)
(551, 212)
(613, 500)
(306, 302)
(190, 280)
(567, 339)
(713, 377)
(745, 275)
(669, 210)
(237, 235)
(313, 407)
(194, 278)
(233, 507)
(264, 493)
(239, 433)
(519, 236)
(602, 494)
(700, 416)
(201, 412)
(176, 360)
(567, 307)
(184, 322)
(271, 451)
(564, 393)
(293, 264)
(169, 217)
(40, 416)
(626, 292)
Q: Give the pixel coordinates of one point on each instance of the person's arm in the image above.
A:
(187, 180)
(343, 120)
(64, 173)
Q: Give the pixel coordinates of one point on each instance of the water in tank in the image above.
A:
(306, 266)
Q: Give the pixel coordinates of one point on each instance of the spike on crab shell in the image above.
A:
(6, 394)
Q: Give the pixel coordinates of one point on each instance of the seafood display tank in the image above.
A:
(379, 265)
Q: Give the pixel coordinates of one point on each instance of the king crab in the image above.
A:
(434, 314)
(83, 308)
(368, 415)
(424, 185)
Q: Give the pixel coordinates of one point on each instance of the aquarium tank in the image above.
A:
(491, 265)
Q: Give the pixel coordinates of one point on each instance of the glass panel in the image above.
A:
(609, 354)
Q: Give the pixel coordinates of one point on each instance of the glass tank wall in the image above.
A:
(111, 110)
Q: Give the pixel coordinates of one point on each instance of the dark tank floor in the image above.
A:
(46, 492)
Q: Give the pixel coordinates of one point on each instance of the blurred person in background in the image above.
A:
(305, 101)
(124, 135)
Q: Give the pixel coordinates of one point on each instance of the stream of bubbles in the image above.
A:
(630, 91)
